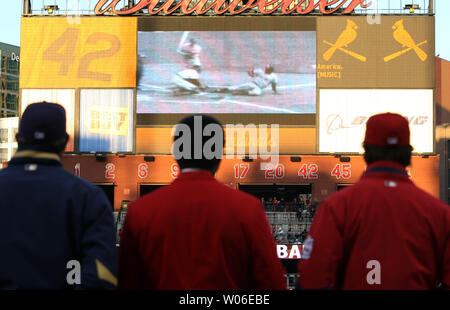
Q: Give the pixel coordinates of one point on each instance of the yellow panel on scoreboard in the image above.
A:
(59, 52)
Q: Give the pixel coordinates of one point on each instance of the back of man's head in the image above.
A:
(43, 128)
(198, 143)
(387, 138)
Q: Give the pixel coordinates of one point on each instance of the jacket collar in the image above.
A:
(195, 175)
(27, 156)
(386, 168)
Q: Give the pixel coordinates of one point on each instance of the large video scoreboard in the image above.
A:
(332, 73)
(115, 77)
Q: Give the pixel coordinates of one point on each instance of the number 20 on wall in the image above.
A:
(274, 172)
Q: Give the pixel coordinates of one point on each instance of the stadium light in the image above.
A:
(149, 158)
(51, 8)
(100, 158)
(411, 7)
(247, 158)
(344, 159)
(296, 159)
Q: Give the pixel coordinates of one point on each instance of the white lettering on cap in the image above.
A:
(39, 135)
(31, 167)
(390, 184)
(392, 140)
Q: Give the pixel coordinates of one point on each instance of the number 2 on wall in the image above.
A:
(110, 171)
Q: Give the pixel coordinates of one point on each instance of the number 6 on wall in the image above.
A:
(143, 171)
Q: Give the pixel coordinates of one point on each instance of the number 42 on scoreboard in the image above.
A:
(62, 50)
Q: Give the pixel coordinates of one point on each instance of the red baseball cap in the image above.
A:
(387, 129)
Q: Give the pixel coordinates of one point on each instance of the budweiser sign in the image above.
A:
(233, 7)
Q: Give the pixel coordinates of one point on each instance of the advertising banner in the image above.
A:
(78, 52)
(64, 97)
(106, 120)
(343, 114)
(232, 7)
(289, 251)
(375, 52)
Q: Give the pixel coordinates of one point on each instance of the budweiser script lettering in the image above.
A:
(231, 7)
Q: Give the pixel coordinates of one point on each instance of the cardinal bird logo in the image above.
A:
(345, 38)
(402, 36)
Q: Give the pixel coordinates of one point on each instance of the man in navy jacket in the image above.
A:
(56, 230)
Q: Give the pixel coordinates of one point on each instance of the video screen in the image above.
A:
(211, 72)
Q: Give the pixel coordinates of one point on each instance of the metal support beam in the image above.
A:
(431, 7)
(27, 7)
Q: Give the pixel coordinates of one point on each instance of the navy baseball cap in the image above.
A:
(43, 122)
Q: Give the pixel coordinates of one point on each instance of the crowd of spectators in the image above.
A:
(290, 236)
(301, 205)
(288, 230)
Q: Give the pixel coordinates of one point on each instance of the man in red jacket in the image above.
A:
(197, 233)
(383, 232)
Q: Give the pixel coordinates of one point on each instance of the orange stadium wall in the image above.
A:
(324, 173)
(291, 141)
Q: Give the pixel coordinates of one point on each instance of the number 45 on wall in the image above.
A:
(342, 171)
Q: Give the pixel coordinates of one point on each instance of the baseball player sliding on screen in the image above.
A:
(261, 80)
(188, 81)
